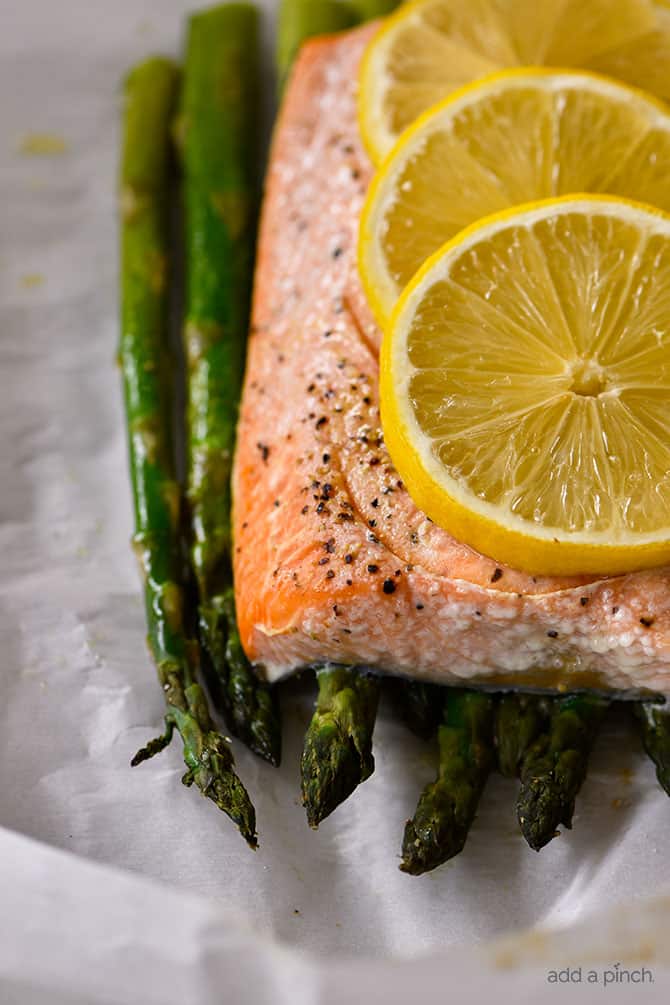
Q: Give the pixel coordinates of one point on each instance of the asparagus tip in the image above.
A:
(539, 811)
(434, 835)
(654, 722)
(214, 775)
(249, 706)
(211, 770)
(337, 753)
(331, 768)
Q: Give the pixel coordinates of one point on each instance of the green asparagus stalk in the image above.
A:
(447, 807)
(303, 19)
(253, 706)
(554, 767)
(150, 92)
(420, 705)
(654, 724)
(367, 10)
(216, 133)
(337, 754)
(519, 720)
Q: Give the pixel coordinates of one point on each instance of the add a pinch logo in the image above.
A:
(616, 974)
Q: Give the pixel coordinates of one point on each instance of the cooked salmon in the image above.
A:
(334, 562)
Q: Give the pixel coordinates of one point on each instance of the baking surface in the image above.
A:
(79, 692)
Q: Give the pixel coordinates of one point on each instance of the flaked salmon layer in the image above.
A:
(333, 560)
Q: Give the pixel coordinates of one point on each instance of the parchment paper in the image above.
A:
(79, 694)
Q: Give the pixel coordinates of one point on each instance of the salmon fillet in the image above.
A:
(333, 561)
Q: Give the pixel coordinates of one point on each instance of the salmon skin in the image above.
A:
(333, 560)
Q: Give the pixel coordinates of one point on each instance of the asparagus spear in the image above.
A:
(253, 706)
(447, 807)
(519, 720)
(554, 767)
(366, 10)
(216, 138)
(302, 19)
(150, 91)
(654, 723)
(337, 754)
(420, 705)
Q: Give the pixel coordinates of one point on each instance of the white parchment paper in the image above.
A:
(79, 694)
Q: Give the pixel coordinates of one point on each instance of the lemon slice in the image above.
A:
(514, 137)
(431, 47)
(525, 379)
